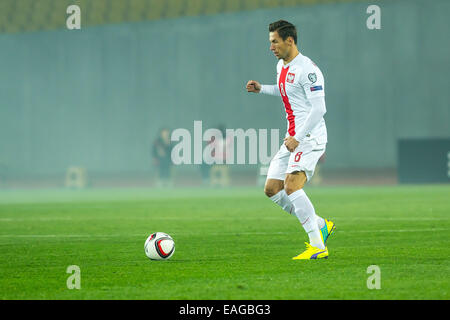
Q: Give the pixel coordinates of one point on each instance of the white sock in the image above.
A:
(304, 211)
(282, 199)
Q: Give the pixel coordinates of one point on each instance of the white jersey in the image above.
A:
(297, 82)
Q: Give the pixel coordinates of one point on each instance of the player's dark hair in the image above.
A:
(284, 29)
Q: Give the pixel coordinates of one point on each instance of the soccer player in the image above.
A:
(300, 84)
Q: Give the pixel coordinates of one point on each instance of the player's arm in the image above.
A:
(313, 118)
(312, 82)
(256, 87)
(270, 89)
(318, 110)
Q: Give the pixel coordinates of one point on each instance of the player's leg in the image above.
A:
(306, 161)
(303, 207)
(274, 187)
(301, 167)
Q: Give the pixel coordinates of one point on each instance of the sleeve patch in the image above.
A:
(312, 77)
(316, 88)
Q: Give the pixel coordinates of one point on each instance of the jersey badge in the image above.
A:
(316, 88)
(290, 77)
(312, 77)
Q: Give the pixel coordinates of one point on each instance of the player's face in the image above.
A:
(278, 46)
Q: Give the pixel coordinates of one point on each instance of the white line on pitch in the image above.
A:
(211, 234)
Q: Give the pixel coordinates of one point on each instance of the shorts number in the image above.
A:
(298, 156)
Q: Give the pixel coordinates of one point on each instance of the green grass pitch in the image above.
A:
(230, 244)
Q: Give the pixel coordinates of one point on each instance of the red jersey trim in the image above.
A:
(287, 105)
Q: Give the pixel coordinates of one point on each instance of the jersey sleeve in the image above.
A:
(318, 109)
(312, 81)
(270, 89)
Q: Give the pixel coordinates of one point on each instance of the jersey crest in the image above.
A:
(312, 77)
(290, 77)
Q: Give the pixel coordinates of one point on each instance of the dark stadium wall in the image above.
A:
(96, 97)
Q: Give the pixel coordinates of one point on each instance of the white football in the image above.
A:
(159, 246)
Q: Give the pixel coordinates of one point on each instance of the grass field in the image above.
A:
(230, 244)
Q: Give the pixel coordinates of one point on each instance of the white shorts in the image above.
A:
(304, 158)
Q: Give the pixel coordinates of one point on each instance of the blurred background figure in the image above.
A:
(220, 174)
(161, 154)
(205, 169)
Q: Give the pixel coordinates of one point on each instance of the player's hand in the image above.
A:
(291, 143)
(253, 86)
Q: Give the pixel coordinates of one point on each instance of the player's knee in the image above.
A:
(289, 188)
(270, 191)
(272, 187)
(294, 182)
